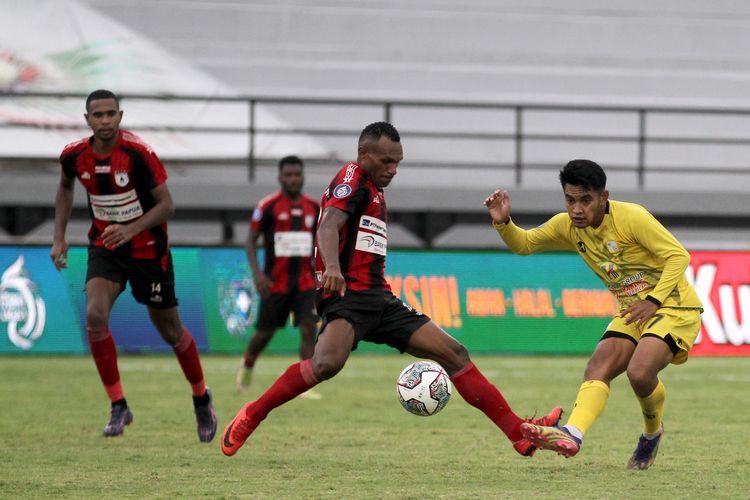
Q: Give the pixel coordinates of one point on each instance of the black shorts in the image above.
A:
(380, 317)
(151, 280)
(275, 309)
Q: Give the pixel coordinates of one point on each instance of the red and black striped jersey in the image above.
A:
(288, 228)
(118, 187)
(363, 240)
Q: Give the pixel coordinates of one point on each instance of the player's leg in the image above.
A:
(258, 342)
(331, 352)
(651, 356)
(305, 319)
(667, 338)
(104, 283)
(100, 296)
(170, 327)
(431, 341)
(152, 284)
(609, 360)
(274, 312)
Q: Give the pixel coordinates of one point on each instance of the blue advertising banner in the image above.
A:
(36, 311)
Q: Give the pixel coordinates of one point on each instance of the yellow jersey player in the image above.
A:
(644, 265)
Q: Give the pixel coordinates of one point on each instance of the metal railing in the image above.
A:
(641, 136)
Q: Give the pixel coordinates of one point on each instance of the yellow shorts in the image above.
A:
(682, 325)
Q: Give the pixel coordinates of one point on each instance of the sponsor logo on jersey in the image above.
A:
(292, 244)
(373, 224)
(296, 212)
(342, 191)
(376, 199)
(120, 207)
(372, 243)
(121, 179)
(21, 306)
(102, 169)
(85, 176)
(257, 214)
(610, 270)
(581, 247)
(283, 216)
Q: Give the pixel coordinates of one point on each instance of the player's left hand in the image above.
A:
(639, 312)
(116, 235)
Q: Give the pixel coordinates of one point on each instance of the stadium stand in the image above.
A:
(650, 88)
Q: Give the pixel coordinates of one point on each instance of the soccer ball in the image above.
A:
(423, 388)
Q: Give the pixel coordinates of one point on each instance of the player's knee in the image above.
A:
(639, 375)
(457, 358)
(326, 367)
(96, 319)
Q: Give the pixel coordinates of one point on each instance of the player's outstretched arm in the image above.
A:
(498, 206)
(63, 208)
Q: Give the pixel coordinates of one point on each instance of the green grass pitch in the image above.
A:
(357, 442)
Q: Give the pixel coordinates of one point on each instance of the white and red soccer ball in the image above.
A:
(423, 388)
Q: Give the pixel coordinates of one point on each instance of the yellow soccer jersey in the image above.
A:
(631, 252)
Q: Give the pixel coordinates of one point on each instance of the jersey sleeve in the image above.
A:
(655, 238)
(550, 236)
(68, 163)
(156, 167)
(260, 216)
(349, 196)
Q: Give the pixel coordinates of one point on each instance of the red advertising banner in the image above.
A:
(722, 280)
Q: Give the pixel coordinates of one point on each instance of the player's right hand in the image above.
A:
(263, 284)
(333, 282)
(498, 205)
(59, 254)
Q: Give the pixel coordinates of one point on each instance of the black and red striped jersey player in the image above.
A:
(355, 301)
(286, 220)
(129, 204)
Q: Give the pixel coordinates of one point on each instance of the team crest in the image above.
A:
(613, 247)
(309, 220)
(122, 179)
(342, 191)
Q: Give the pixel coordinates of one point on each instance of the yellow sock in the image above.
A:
(590, 402)
(653, 409)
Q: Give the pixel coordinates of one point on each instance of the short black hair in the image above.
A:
(584, 173)
(290, 160)
(375, 131)
(102, 94)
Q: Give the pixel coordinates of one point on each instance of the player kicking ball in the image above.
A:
(355, 302)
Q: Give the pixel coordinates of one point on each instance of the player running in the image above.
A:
(286, 219)
(644, 266)
(355, 302)
(129, 203)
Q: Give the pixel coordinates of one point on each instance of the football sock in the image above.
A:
(187, 355)
(653, 409)
(480, 393)
(298, 378)
(590, 403)
(104, 351)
